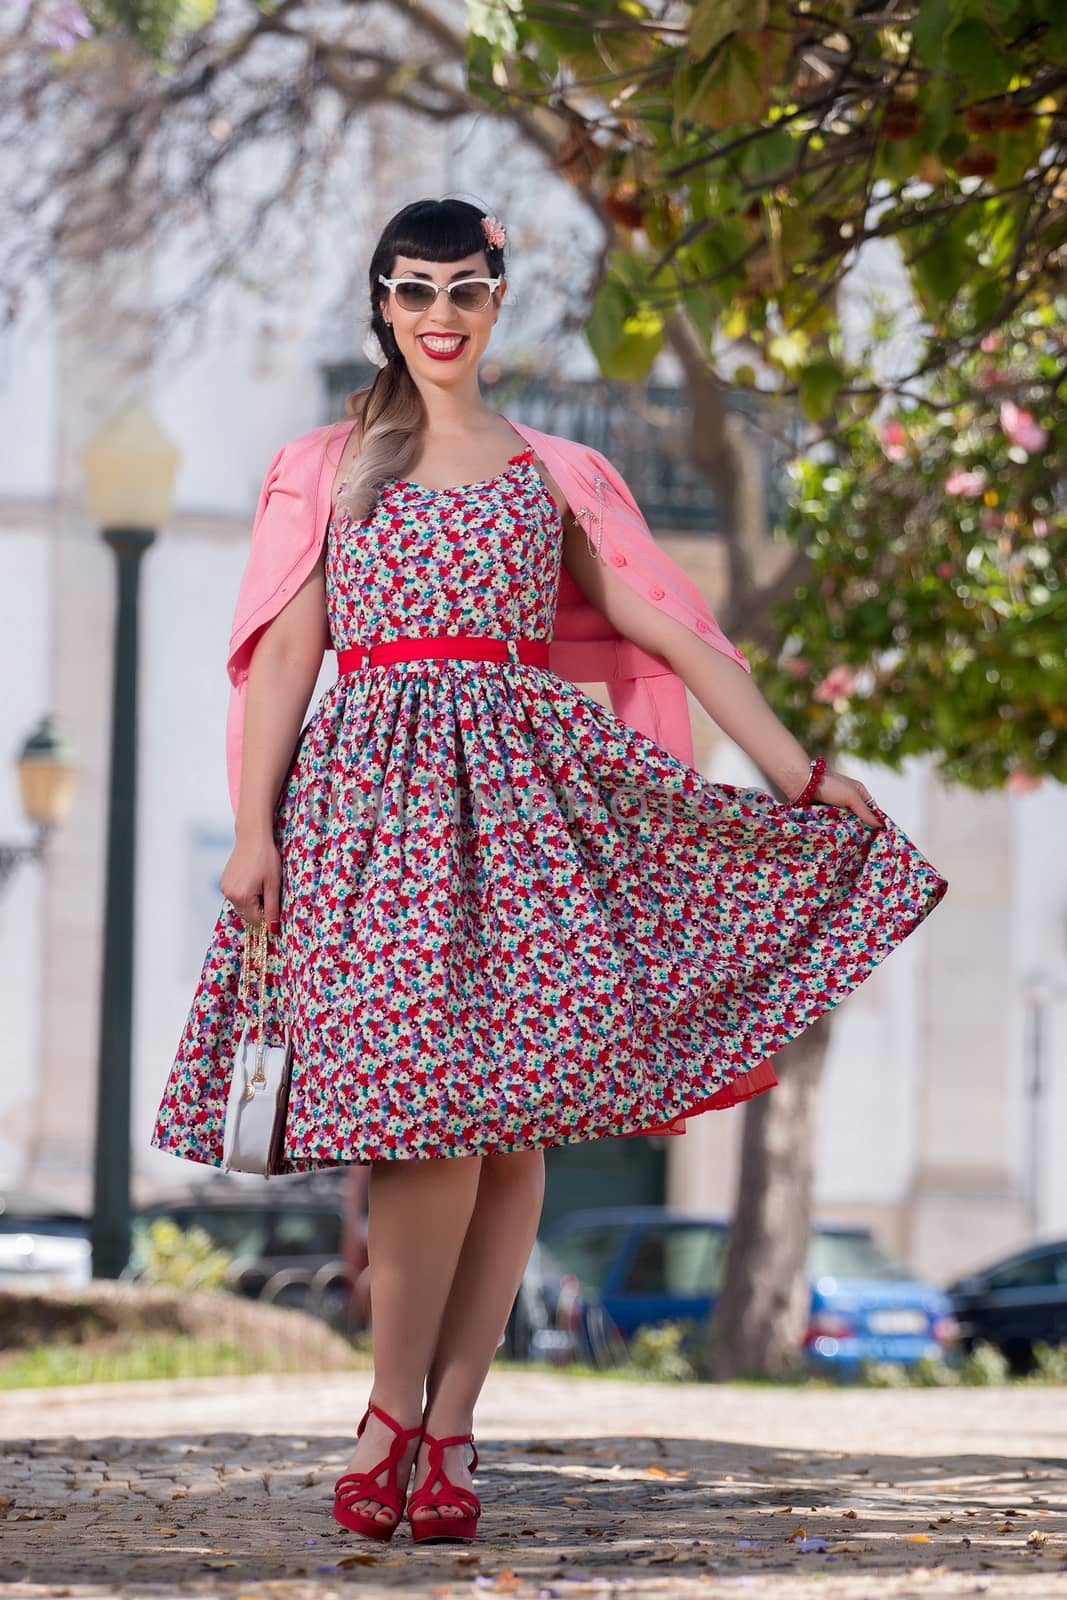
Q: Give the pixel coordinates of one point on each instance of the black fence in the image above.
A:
(641, 430)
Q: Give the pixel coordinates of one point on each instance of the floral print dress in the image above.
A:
(510, 920)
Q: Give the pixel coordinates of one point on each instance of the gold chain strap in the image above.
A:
(254, 950)
(585, 511)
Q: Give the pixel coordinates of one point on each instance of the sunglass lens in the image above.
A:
(471, 296)
(414, 296)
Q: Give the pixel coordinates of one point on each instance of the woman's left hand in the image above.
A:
(837, 790)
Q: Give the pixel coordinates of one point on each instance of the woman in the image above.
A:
(509, 919)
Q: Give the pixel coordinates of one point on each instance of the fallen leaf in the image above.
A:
(217, 1566)
(1035, 1538)
(852, 1514)
(797, 1533)
(361, 1558)
(918, 1538)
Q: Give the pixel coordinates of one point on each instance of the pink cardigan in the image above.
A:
(290, 525)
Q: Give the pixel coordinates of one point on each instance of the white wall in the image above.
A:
(24, 650)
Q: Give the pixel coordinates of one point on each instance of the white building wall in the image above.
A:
(24, 652)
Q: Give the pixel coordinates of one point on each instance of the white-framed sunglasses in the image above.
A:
(416, 294)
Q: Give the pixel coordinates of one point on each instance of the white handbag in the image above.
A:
(259, 1085)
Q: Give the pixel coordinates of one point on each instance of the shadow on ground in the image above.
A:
(228, 1513)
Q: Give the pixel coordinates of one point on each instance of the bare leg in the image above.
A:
(417, 1217)
(491, 1264)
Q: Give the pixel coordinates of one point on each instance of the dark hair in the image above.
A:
(391, 413)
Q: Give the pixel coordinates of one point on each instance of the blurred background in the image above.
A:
(232, 315)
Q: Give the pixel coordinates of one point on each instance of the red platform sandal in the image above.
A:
(445, 1530)
(352, 1486)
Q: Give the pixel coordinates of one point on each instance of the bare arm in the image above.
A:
(281, 676)
(723, 687)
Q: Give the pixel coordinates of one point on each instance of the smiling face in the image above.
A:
(443, 339)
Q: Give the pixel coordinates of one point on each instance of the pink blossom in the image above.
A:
(1022, 782)
(945, 569)
(837, 685)
(990, 343)
(1039, 528)
(989, 521)
(969, 484)
(1021, 429)
(797, 666)
(895, 441)
(827, 585)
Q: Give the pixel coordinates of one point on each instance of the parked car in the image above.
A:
(285, 1237)
(629, 1267)
(42, 1245)
(1015, 1303)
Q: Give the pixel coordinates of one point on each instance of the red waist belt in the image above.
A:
(464, 646)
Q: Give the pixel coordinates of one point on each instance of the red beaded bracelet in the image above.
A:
(818, 767)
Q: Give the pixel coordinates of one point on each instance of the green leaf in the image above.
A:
(937, 272)
(624, 337)
(712, 20)
(930, 30)
(736, 88)
(820, 384)
(975, 55)
(767, 156)
(1054, 41)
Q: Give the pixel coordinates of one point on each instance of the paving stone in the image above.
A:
(222, 1488)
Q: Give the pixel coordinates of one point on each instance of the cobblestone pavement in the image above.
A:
(223, 1487)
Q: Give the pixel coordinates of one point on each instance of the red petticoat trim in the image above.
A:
(744, 1087)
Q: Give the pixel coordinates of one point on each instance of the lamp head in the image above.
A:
(130, 465)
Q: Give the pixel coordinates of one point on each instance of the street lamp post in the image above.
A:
(130, 466)
(46, 787)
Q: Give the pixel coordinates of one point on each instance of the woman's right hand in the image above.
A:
(252, 880)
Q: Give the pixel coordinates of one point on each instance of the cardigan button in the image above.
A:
(656, 592)
(618, 559)
(702, 625)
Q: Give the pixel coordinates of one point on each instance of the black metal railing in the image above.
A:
(639, 428)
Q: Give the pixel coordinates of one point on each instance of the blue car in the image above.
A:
(629, 1267)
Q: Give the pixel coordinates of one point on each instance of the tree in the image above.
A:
(748, 150)
(933, 623)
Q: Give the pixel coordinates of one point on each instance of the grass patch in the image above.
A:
(158, 1356)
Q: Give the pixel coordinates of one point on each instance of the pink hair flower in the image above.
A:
(495, 232)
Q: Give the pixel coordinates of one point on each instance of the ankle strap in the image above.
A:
(404, 1433)
(437, 1447)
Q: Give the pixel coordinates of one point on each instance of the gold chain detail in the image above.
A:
(599, 481)
(254, 951)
